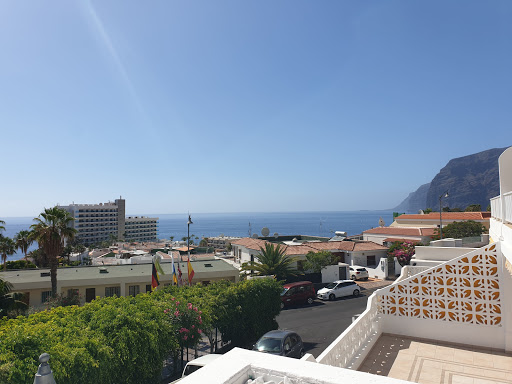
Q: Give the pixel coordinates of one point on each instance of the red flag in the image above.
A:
(180, 281)
(190, 271)
(154, 278)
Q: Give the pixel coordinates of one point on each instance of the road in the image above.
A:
(322, 322)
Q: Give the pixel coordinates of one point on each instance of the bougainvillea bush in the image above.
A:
(402, 251)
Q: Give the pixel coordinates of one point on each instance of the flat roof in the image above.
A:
(115, 273)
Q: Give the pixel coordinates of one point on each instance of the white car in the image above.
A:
(358, 273)
(337, 289)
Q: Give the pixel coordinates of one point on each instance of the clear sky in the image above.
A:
(245, 106)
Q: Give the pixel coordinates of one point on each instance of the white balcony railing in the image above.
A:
(496, 207)
(507, 206)
(351, 347)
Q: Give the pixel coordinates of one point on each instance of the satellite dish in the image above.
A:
(265, 232)
(255, 236)
(381, 222)
(276, 235)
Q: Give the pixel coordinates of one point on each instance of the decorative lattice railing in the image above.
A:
(465, 290)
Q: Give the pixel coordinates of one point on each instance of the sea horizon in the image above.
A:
(244, 224)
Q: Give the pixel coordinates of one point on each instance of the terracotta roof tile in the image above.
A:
(249, 242)
(448, 216)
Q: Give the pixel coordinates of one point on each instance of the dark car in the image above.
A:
(282, 343)
(301, 292)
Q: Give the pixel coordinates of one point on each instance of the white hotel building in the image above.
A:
(97, 222)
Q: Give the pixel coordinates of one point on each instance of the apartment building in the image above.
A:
(98, 222)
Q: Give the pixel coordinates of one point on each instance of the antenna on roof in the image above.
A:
(250, 230)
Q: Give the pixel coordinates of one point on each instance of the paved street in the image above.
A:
(322, 322)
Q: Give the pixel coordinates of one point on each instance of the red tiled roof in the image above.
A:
(249, 242)
(448, 216)
(392, 240)
(402, 231)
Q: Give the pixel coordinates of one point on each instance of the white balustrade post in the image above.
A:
(44, 373)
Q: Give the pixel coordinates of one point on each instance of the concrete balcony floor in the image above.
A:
(434, 362)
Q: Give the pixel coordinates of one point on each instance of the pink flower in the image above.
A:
(177, 313)
(199, 331)
(185, 337)
(189, 306)
(195, 309)
(193, 326)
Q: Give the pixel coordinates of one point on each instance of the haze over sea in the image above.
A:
(237, 224)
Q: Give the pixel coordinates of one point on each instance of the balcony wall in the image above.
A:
(461, 301)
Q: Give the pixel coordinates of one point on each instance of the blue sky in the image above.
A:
(245, 106)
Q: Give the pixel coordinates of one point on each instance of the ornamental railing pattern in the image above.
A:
(465, 289)
(352, 346)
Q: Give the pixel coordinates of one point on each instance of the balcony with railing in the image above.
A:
(452, 312)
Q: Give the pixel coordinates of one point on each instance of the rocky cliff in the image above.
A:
(469, 180)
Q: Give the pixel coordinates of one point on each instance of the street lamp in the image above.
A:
(441, 214)
(188, 235)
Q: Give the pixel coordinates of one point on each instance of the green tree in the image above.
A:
(9, 300)
(427, 210)
(51, 231)
(7, 248)
(203, 242)
(460, 229)
(474, 208)
(272, 261)
(23, 241)
(2, 225)
(316, 261)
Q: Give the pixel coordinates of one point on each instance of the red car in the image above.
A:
(301, 292)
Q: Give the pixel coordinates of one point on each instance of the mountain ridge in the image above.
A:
(471, 179)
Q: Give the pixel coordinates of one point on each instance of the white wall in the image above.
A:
(440, 253)
(478, 335)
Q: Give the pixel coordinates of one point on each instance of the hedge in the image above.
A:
(126, 339)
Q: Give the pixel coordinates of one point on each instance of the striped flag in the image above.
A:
(154, 277)
(174, 278)
(190, 271)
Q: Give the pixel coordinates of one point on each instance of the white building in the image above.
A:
(98, 222)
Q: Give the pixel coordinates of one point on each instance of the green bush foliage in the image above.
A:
(126, 339)
(20, 264)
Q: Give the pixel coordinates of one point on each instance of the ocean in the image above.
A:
(240, 224)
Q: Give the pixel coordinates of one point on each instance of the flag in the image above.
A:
(174, 278)
(190, 271)
(180, 281)
(154, 277)
(158, 266)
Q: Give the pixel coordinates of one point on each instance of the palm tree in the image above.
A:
(51, 230)
(7, 248)
(23, 241)
(9, 300)
(272, 261)
(2, 225)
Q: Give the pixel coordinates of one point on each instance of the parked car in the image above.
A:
(196, 364)
(282, 343)
(339, 288)
(358, 273)
(301, 292)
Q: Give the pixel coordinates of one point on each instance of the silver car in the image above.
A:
(282, 343)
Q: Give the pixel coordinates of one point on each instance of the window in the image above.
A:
(148, 288)
(45, 296)
(370, 261)
(112, 291)
(134, 290)
(90, 294)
